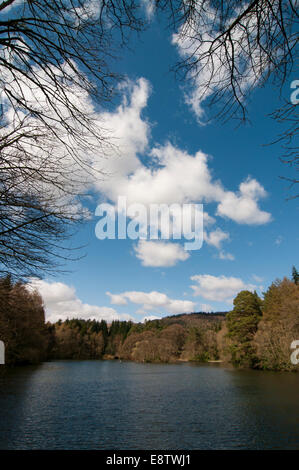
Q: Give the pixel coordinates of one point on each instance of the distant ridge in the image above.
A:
(205, 315)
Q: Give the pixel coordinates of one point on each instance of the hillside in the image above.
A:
(257, 333)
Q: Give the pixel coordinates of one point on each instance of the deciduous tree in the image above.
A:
(55, 70)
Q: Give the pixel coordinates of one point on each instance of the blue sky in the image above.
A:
(258, 245)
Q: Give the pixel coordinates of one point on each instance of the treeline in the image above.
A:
(257, 333)
(86, 339)
(166, 340)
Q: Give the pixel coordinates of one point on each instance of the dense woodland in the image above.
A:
(257, 333)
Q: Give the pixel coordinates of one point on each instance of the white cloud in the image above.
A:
(242, 207)
(208, 220)
(226, 256)
(149, 6)
(61, 302)
(67, 167)
(219, 288)
(252, 189)
(211, 74)
(149, 318)
(177, 177)
(170, 175)
(130, 134)
(157, 301)
(216, 237)
(158, 254)
(116, 299)
(106, 165)
(89, 10)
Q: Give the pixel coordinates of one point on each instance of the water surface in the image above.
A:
(124, 405)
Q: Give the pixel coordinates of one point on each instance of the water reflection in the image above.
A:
(112, 405)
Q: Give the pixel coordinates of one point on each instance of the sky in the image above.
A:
(169, 153)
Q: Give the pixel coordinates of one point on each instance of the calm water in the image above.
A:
(113, 405)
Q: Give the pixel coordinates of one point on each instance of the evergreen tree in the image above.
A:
(295, 275)
(242, 323)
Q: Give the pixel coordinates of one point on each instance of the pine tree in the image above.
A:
(295, 275)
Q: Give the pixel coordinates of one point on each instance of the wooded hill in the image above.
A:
(257, 333)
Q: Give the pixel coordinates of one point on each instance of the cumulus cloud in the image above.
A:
(242, 207)
(219, 288)
(178, 177)
(182, 178)
(130, 134)
(216, 237)
(170, 175)
(158, 254)
(174, 177)
(61, 302)
(157, 301)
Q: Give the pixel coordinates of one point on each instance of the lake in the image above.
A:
(124, 405)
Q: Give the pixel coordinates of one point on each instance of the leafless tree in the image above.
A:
(55, 69)
(288, 116)
(230, 47)
(38, 203)
(55, 73)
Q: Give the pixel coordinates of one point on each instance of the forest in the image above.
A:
(256, 333)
